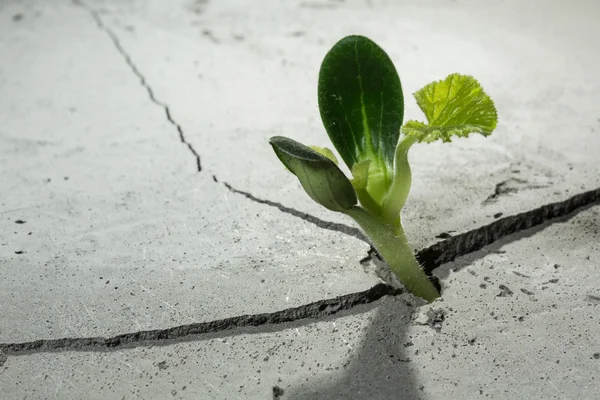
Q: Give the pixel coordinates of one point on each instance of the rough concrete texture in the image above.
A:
(518, 320)
(120, 232)
(151, 245)
(260, 80)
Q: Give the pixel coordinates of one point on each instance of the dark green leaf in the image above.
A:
(361, 101)
(324, 182)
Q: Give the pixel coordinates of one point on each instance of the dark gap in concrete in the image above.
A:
(503, 188)
(332, 226)
(383, 272)
(141, 77)
(431, 258)
(455, 246)
(316, 310)
(372, 254)
(509, 186)
(469, 242)
(436, 255)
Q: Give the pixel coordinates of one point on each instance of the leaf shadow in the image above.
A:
(380, 369)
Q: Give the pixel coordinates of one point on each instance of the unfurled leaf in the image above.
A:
(326, 152)
(361, 102)
(324, 182)
(455, 106)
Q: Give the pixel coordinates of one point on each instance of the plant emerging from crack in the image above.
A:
(362, 107)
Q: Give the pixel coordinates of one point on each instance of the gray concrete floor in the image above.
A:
(152, 246)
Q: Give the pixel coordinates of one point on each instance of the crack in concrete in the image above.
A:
(503, 188)
(454, 246)
(465, 243)
(141, 78)
(315, 310)
(512, 185)
(469, 242)
(332, 226)
(431, 257)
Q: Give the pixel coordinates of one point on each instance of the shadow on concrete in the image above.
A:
(380, 369)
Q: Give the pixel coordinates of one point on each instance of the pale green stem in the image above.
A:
(390, 241)
(368, 202)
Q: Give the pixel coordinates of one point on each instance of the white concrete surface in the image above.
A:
(234, 71)
(536, 345)
(125, 234)
(122, 233)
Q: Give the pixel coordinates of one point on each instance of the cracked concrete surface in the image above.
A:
(228, 98)
(141, 77)
(537, 343)
(332, 226)
(134, 271)
(123, 228)
(314, 310)
(431, 258)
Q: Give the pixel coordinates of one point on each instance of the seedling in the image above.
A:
(362, 107)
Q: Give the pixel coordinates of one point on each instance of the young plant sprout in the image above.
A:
(362, 107)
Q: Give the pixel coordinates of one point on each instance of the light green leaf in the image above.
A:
(360, 174)
(326, 152)
(455, 106)
(322, 180)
